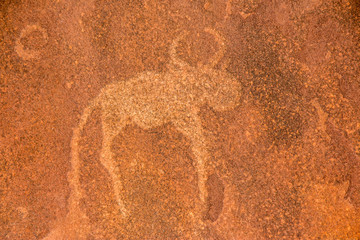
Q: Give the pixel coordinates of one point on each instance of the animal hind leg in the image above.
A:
(107, 160)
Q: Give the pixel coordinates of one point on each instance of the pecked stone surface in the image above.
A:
(253, 133)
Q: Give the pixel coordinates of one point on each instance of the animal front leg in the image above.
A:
(190, 125)
(201, 158)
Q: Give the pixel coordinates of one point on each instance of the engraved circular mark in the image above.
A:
(23, 212)
(27, 52)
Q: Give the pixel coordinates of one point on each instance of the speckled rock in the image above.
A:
(206, 119)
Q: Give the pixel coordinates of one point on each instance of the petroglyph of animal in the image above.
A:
(152, 99)
(21, 50)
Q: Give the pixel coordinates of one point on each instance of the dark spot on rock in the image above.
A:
(348, 160)
(350, 88)
(216, 197)
(276, 86)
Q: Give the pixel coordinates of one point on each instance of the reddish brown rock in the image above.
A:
(281, 163)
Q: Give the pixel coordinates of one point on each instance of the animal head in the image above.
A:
(208, 85)
(221, 90)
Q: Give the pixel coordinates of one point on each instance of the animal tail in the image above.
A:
(76, 224)
(74, 174)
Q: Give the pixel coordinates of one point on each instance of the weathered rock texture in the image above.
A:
(207, 119)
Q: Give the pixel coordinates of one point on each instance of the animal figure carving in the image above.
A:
(152, 99)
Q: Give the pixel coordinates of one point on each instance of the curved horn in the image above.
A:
(173, 55)
(221, 52)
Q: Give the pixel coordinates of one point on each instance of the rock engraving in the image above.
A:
(152, 99)
(21, 50)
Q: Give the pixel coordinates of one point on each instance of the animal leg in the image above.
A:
(106, 159)
(200, 152)
(190, 125)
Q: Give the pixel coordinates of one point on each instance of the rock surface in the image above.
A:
(252, 130)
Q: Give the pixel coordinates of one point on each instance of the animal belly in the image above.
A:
(148, 115)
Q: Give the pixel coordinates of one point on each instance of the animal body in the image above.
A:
(152, 99)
